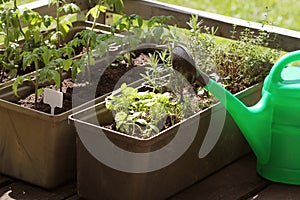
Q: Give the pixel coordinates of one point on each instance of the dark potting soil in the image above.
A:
(6, 76)
(106, 84)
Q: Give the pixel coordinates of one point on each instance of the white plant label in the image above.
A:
(54, 98)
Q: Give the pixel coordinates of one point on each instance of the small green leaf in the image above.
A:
(75, 42)
(142, 121)
(67, 64)
(130, 118)
(140, 22)
(73, 8)
(155, 128)
(46, 54)
(108, 104)
(76, 67)
(95, 11)
(18, 81)
(51, 2)
(123, 87)
(136, 114)
(120, 116)
(47, 20)
(119, 5)
(54, 75)
(40, 91)
(157, 32)
(28, 58)
(49, 73)
(150, 104)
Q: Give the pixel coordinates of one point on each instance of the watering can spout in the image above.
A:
(252, 121)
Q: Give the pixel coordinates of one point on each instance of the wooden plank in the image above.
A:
(288, 40)
(278, 191)
(75, 197)
(20, 190)
(41, 6)
(4, 180)
(238, 180)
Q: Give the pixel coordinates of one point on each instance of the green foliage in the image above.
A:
(237, 63)
(38, 52)
(10, 59)
(35, 22)
(137, 31)
(110, 4)
(155, 26)
(9, 18)
(160, 21)
(142, 114)
(127, 23)
(34, 19)
(55, 61)
(280, 13)
(4, 1)
(46, 54)
(89, 39)
(134, 33)
(117, 4)
(11, 31)
(159, 64)
(95, 11)
(244, 60)
(68, 8)
(62, 24)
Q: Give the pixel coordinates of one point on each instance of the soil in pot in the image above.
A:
(188, 102)
(106, 84)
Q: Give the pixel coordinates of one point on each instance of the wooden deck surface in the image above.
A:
(238, 180)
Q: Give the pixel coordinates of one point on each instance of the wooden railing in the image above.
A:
(42, 7)
(287, 40)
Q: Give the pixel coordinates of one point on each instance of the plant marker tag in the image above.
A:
(53, 98)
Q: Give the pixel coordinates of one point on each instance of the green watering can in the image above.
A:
(272, 126)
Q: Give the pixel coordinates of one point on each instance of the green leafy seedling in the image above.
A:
(54, 62)
(141, 114)
(62, 24)
(11, 31)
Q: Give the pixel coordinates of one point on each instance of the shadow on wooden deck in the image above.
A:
(238, 180)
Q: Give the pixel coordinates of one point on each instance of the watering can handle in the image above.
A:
(275, 73)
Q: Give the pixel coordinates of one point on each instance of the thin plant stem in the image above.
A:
(88, 50)
(19, 24)
(36, 84)
(2, 74)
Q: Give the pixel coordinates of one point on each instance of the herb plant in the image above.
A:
(245, 61)
(62, 24)
(48, 61)
(143, 114)
(237, 63)
(89, 38)
(54, 63)
(132, 32)
(12, 31)
(159, 65)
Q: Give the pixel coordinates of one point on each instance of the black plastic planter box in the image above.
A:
(97, 179)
